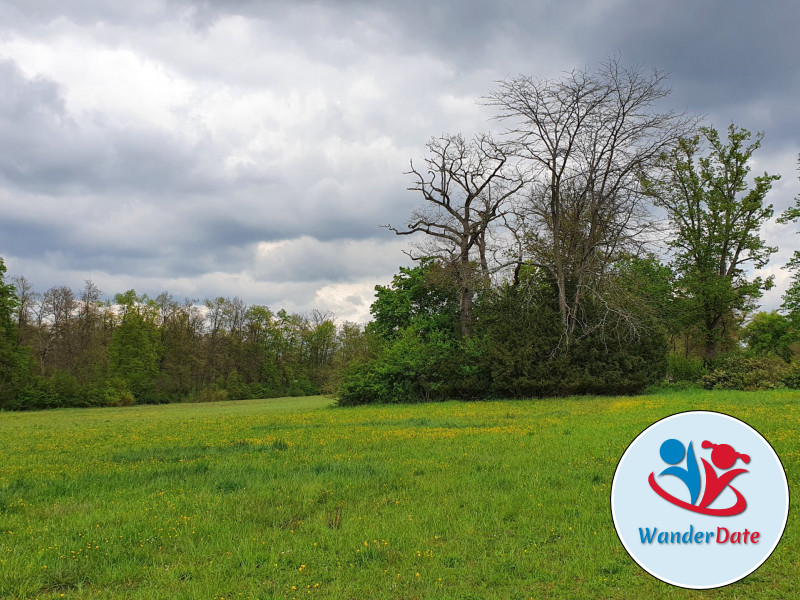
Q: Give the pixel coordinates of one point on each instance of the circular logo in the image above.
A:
(699, 499)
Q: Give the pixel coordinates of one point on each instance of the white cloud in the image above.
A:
(123, 86)
(348, 301)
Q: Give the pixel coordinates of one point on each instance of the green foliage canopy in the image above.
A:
(791, 298)
(12, 361)
(421, 297)
(770, 334)
(715, 215)
(136, 347)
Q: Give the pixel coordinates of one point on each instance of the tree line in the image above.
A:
(62, 348)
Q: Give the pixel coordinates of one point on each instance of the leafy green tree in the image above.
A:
(791, 297)
(61, 309)
(770, 334)
(354, 345)
(319, 341)
(256, 359)
(183, 359)
(422, 296)
(12, 359)
(644, 287)
(716, 215)
(92, 336)
(8, 300)
(135, 350)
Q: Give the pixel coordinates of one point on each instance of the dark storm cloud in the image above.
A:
(457, 29)
(28, 238)
(46, 150)
(66, 247)
(725, 58)
(737, 48)
(307, 259)
(30, 110)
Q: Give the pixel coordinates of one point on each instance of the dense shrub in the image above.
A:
(685, 368)
(770, 334)
(209, 394)
(792, 378)
(522, 339)
(416, 368)
(60, 390)
(591, 365)
(37, 394)
(516, 351)
(742, 372)
(116, 393)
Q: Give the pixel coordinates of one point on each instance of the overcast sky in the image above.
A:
(252, 149)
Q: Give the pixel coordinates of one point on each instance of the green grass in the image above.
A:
(291, 498)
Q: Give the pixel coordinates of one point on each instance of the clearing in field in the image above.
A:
(291, 498)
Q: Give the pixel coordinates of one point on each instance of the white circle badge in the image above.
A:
(699, 499)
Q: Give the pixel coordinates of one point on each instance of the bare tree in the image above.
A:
(215, 315)
(90, 338)
(233, 312)
(27, 298)
(587, 139)
(465, 186)
(59, 310)
(168, 308)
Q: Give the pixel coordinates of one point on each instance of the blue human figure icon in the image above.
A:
(672, 452)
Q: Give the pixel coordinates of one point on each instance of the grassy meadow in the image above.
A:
(291, 498)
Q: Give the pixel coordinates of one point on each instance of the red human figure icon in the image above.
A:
(724, 457)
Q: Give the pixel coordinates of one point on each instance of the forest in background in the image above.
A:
(62, 348)
(540, 271)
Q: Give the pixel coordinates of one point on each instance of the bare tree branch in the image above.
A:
(587, 140)
(465, 186)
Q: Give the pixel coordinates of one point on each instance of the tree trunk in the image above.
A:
(466, 312)
(465, 302)
(712, 339)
